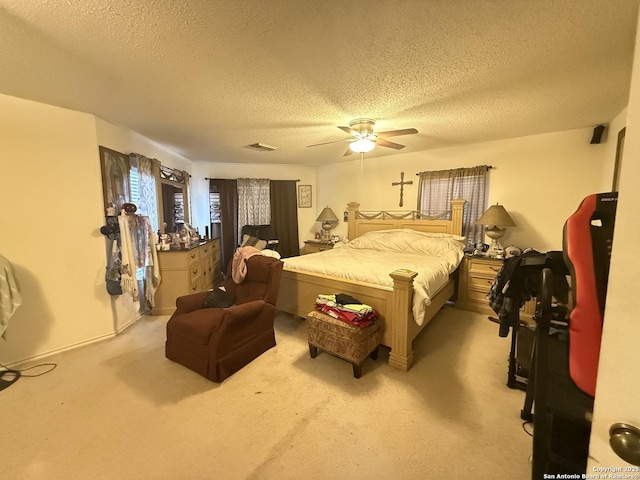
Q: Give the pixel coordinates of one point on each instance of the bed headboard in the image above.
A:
(362, 222)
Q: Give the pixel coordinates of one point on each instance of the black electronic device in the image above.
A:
(8, 378)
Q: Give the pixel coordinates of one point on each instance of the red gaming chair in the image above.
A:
(588, 235)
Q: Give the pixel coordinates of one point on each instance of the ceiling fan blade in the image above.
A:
(348, 152)
(347, 130)
(395, 133)
(327, 143)
(387, 143)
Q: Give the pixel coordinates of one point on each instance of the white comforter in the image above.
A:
(373, 256)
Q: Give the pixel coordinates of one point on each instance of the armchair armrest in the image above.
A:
(189, 303)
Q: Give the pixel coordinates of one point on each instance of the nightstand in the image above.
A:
(315, 246)
(476, 277)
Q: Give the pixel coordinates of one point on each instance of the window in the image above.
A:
(436, 190)
(134, 185)
(134, 190)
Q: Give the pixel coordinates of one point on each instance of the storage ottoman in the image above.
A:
(342, 339)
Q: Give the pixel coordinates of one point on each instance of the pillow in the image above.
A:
(459, 238)
(219, 298)
(411, 241)
(271, 253)
(248, 240)
(251, 241)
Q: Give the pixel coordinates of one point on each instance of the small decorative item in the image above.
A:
(304, 196)
(111, 211)
(129, 208)
(512, 251)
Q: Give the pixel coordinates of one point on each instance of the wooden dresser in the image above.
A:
(184, 272)
(475, 280)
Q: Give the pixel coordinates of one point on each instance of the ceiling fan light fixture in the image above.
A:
(362, 145)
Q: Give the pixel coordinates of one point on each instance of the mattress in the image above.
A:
(373, 256)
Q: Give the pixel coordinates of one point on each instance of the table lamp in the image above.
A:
(495, 218)
(329, 220)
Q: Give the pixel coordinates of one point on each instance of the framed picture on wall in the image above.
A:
(304, 196)
(619, 152)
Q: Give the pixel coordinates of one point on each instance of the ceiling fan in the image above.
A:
(364, 138)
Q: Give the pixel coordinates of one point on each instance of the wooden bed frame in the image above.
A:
(298, 290)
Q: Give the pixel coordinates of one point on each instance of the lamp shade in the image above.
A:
(496, 215)
(327, 216)
(362, 145)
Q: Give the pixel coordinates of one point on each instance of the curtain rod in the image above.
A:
(488, 167)
(207, 178)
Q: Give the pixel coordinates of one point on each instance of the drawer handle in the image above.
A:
(205, 250)
(194, 271)
(193, 255)
(494, 269)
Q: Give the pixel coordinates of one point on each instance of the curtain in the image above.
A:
(228, 190)
(284, 216)
(187, 198)
(436, 190)
(115, 178)
(254, 203)
(148, 201)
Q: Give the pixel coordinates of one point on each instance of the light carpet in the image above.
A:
(118, 409)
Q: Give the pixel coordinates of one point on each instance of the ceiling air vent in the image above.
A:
(262, 147)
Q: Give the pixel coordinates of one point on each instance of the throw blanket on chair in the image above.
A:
(239, 262)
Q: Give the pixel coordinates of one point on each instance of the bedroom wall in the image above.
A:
(52, 211)
(540, 179)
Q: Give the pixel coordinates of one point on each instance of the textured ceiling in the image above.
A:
(207, 78)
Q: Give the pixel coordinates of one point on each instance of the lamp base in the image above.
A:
(326, 231)
(495, 249)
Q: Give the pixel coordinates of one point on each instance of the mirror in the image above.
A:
(174, 206)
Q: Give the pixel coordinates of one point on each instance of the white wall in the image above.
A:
(618, 387)
(539, 179)
(51, 214)
(128, 141)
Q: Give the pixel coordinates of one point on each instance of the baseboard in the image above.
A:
(99, 338)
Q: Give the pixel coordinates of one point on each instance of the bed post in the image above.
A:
(457, 207)
(352, 208)
(401, 355)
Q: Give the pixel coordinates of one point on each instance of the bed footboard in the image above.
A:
(298, 292)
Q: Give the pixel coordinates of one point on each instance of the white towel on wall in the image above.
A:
(10, 298)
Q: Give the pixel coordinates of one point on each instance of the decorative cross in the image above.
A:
(402, 183)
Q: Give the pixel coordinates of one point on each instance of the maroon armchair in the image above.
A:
(217, 342)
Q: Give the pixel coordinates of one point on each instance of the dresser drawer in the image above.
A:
(482, 284)
(484, 267)
(195, 270)
(478, 296)
(193, 256)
